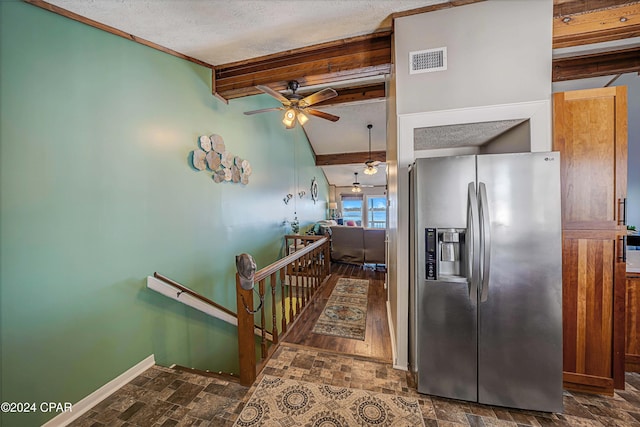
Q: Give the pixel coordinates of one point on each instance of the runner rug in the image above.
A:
(284, 402)
(345, 314)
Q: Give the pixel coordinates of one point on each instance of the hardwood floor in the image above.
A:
(377, 342)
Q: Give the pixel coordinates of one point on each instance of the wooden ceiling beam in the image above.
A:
(349, 158)
(597, 26)
(356, 57)
(570, 7)
(597, 64)
(434, 7)
(353, 94)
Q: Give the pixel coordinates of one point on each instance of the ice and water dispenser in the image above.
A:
(445, 253)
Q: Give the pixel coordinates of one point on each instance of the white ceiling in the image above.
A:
(222, 31)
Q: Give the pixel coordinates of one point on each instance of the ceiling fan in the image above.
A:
(295, 106)
(357, 187)
(371, 166)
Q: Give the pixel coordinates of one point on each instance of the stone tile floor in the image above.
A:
(168, 397)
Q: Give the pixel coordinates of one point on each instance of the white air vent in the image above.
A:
(426, 61)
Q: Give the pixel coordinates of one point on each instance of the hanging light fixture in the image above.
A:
(370, 166)
(293, 114)
(289, 118)
(302, 118)
(356, 185)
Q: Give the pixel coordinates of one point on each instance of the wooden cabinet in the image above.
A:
(632, 346)
(590, 131)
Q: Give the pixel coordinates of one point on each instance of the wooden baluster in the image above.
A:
(274, 311)
(327, 258)
(309, 275)
(305, 275)
(312, 275)
(318, 267)
(298, 297)
(317, 261)
(263, 343)
(282, 300)
(292, 280)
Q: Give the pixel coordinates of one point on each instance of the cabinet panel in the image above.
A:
(590, 129)
(632, 345)
(588, 285)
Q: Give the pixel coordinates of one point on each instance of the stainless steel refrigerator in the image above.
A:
(486, 271)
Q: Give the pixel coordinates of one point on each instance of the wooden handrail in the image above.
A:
(193, 293)
(183, 289)
(297, 277)
(283, 262)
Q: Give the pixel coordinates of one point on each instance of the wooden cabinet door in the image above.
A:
(632, 346)
(587, 305)
(590, 131)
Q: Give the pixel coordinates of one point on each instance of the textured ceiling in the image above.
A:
(223, 31)
(464, 135)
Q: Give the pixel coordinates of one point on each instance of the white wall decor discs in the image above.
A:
(226, 166)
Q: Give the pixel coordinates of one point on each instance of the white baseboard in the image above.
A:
(100, 394)
(392, 332)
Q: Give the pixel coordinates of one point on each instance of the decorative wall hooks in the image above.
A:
(213, 156)
(287, 198)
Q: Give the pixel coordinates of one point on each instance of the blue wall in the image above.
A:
(97, 193)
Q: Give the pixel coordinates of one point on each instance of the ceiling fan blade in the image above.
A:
(277, 95)
(322, 114)
(264, 110)
(319, 96)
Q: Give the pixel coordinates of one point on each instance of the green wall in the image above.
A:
(97, 193)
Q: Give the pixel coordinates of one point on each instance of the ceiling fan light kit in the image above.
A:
(295, 106)
(370, 170)
(289, 118)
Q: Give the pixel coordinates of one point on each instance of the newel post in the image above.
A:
(246, 342)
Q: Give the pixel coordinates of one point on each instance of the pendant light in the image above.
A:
(356, 185)
(370, 166)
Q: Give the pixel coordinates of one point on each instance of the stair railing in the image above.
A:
(187, 296)
(285, 287)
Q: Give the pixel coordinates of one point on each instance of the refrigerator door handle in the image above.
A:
(473, 252)
(485, 242)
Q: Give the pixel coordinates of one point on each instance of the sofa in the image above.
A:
(357, 245)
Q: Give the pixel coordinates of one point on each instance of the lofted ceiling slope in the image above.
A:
(235, 37)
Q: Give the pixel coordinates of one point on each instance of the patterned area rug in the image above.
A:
(345, 314)
(283, 402)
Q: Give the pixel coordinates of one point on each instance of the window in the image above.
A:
(352, 209)
(377, 211)
(368, 210)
